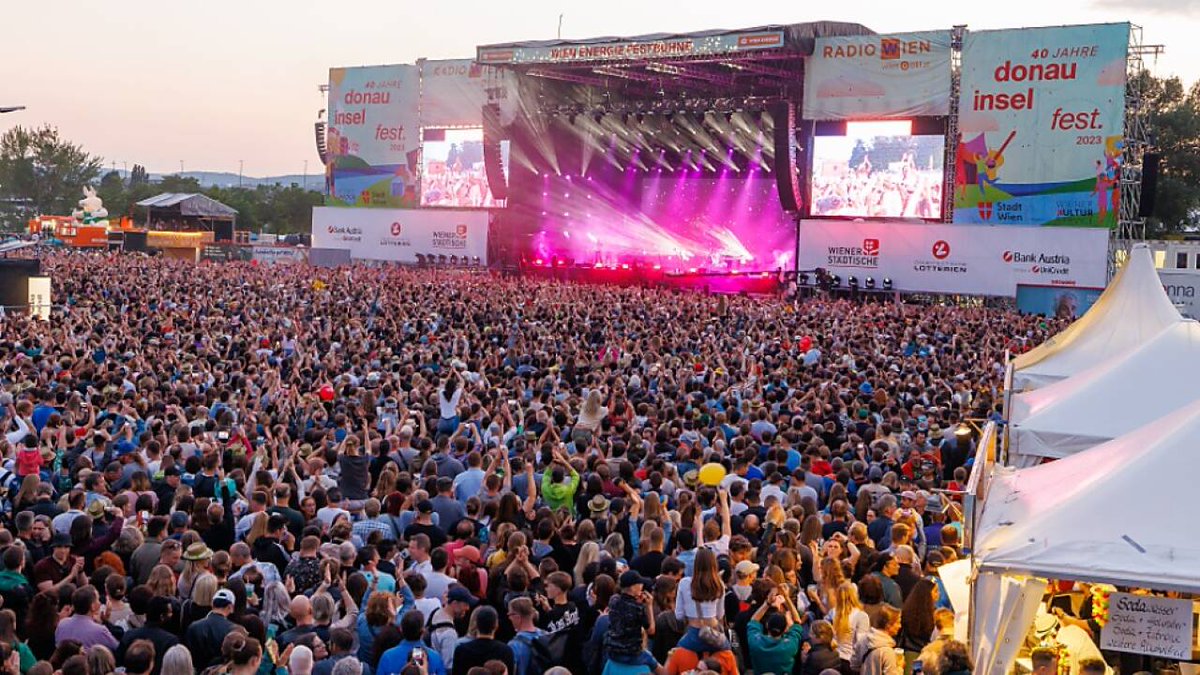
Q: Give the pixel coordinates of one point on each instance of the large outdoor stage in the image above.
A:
(711, 159)
(657, 156)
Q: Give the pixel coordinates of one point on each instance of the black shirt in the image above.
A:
(649, 564)
(479, 651)
(436, 536)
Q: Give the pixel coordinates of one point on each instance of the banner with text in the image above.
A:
(878, 76)
(633, 49)
(1142, 624)
(373, 136)
(1183, 288)
(976, 260)
(454, 91)
(272, 255)
(398, 235)
(1041, 123)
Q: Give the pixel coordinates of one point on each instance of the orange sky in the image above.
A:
(215, 82)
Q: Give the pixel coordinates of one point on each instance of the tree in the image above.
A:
(138, 176)
(1173, 121)
(44, 170)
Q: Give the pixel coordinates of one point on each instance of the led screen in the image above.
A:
(877, 176)
(452, 173)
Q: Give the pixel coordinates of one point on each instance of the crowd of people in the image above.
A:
(252, 469)
(901, 190)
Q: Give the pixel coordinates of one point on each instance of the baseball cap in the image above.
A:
(908, 494)
(461, 594)
(746, 568)
(631, 578)
(223, 598)
(179, 519)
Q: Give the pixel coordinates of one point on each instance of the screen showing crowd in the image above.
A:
(878, 176)
(452, 171)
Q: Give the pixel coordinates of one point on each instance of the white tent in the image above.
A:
(1133, 309)
(1110, 514)
(1109, 399)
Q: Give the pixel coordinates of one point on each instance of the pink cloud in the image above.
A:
(844, 87)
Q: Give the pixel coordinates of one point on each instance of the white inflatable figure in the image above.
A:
(91, 209)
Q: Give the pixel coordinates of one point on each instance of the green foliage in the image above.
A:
(41, 173)
(1173, 120)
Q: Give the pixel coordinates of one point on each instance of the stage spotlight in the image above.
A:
(453, 260)
(624, 266)
(442, 259)
(641, 117)
(421, 259)
(871, 283)
(475, 261)
(853, 282)
(729, 117)
(887, 283)
(835, 281)
(803, 278)
(539, 262)
(670, 117)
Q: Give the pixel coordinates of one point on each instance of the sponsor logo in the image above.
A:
(497, 55)
(396, 229)
(865, 256)
(346, 233)
(1040, 263)
(940, 265)
(763, 40)
(456, 240)
(941, 249)
(889, 49)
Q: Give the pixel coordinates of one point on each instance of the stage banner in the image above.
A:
(453, 92)
(398, 235)
(271, 255)
(1183, 288)
(1041, 123)
(373, 136)
(970, 260)
(565, 52)
(878, 76)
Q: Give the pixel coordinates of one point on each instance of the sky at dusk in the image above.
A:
(211, 83)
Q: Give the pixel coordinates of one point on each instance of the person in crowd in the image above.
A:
(352, 469)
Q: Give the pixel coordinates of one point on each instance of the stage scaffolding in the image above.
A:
(1131, 227)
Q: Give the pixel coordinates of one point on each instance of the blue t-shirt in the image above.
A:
(394, 659)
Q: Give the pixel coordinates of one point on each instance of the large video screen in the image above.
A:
(452, 173)
(868, 175)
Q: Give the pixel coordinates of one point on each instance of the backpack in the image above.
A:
(431, 628)
(545, 651)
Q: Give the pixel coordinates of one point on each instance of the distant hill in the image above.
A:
(226, 179)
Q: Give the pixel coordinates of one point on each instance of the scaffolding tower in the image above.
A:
(1131, 226)
(952, 141)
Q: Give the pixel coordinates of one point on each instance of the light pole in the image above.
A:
(306, 174)
(239, 173)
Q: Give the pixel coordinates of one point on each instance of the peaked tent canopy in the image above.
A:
(1110, 514)
(189, 205)
(1110, 399)
(1133, 309)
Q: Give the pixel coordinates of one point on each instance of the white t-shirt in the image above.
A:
(686, 608)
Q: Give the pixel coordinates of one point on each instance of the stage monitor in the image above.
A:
(878, 170)
(453, 174)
